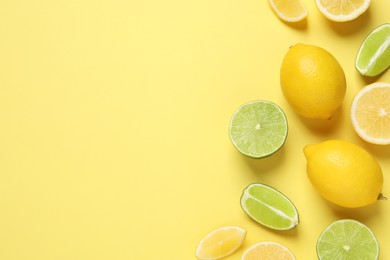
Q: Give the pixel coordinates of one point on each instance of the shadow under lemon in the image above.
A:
(378, 151)
(300, 25)
(362, 214)
(351, 27)
(321, 126)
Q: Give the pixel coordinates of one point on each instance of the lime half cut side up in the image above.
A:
(373, 56)
(269, 207)
(258, 129)
(347, 239)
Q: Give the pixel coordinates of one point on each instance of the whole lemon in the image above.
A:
(344, 173)
(312, 81)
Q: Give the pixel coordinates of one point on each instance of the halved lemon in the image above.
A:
(342, 10)
(268, 251)
(289, 10)
(221, 242)
(370, 113)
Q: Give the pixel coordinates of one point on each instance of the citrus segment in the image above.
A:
(289, 10)
(269, 207)
(373, 56)
(342, 10)
(220, 242)
(268, 251)
(258, 129)
(347, 239)
(370, 113)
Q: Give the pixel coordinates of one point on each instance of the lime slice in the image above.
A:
(347, 239)
(258, 129)
(373, 56)
(269, 207)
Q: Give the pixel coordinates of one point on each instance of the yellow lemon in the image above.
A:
(344, 173)
(312, 81)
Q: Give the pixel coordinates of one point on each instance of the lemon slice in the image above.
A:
(347, 239)
(289, 10)
(269, 207)
(268, 251)
(373, 56)
(221, 242)
(342, 10)
(370, 113)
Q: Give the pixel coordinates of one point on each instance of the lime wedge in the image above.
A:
(269, 207)
(347, 239)
(373, 56)
(258, 129)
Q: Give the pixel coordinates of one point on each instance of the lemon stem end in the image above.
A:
(381, 197)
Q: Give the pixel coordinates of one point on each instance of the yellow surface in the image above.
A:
(114, 118)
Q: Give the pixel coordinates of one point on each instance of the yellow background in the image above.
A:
(114, 125)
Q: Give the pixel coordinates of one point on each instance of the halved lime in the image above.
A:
(258, 128)
(347, 239)
(269, 207)
(373, 56)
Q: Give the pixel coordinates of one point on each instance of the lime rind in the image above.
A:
(347, 239)
(258, 129)
(269, 207)
(372, 58)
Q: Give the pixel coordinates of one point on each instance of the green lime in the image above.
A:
(258, 128)
(347, 239)
(373, 56)
(269, 207)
